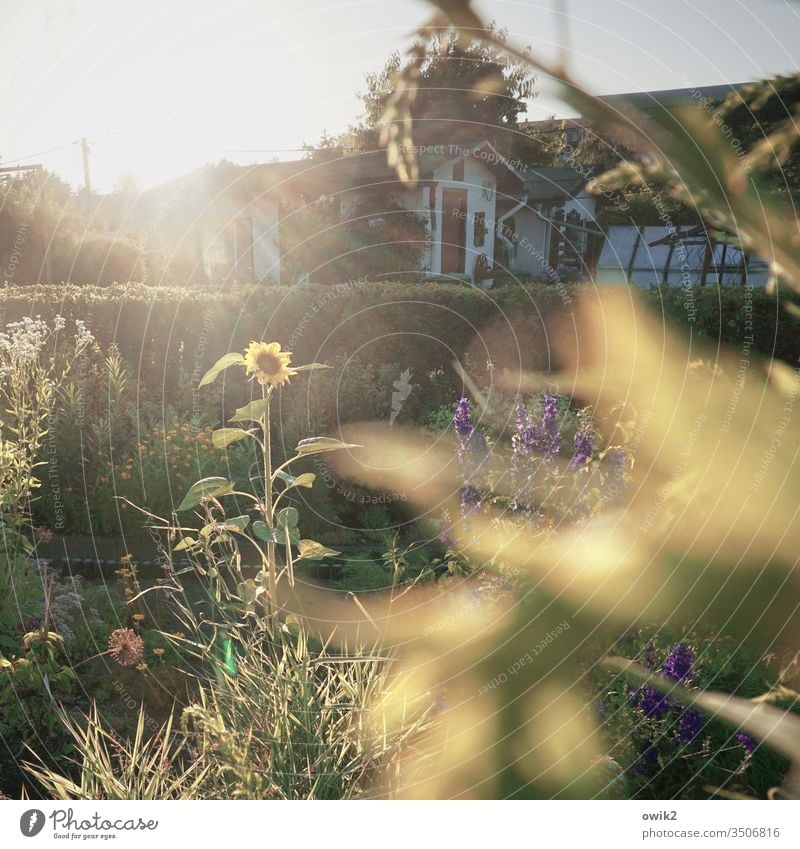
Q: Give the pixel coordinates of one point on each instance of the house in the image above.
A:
(480, 210)
(484, 217)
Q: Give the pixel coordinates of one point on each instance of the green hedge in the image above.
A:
(170, 336)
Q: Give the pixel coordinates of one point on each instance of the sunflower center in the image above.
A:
(268, 363)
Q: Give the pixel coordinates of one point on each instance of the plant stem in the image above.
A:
(271, 608)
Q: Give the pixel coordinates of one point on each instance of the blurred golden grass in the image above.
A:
(706, 536)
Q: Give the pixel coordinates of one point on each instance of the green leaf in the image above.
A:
(261, 531)
(288, 516)
(219, 366)
(306, 479)
(225, 436)
(311, 550)
(237, 524)
(185, 543)
(310, 367)
(321, 444)
(205, 488)
(251, 412)
(249, 591)
(276, 535)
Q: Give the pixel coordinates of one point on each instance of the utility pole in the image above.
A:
(87, 180)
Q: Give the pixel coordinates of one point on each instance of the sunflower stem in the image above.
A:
(271, 607)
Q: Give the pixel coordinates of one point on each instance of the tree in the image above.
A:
(468, 92)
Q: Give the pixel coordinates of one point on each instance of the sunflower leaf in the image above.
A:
(232, 359)
(277, 535)
(306, 479)
(312, 550)
(288, 516)
(310, 367)
(321, 444)
(205, 488)
(226, 436)
(251, 412)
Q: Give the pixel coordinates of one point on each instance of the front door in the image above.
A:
(454, 230)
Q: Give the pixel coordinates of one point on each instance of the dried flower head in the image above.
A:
(126, 647)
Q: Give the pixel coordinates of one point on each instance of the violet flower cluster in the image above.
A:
(583, 444)
(678, 666)
(473, 454)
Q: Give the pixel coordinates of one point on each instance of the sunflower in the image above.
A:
(268, 363)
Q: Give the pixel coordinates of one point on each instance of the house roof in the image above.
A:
(671, 97)
(545, 184)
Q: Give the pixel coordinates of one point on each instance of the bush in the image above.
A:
(157, 342)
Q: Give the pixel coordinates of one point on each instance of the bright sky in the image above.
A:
(162, 86)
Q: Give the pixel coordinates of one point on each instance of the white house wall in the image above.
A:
(266, 242)
(531, 244)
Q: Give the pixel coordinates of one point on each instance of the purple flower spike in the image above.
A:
(650, 702)
(584, 442)
(462, 420)
(678, 663)
(550, 437)
(746, 741)
(689, 726)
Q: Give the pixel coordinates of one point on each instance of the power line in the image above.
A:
(275, 149)
(40, 153)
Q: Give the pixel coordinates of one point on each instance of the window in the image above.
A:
(479, 230)
(458, 170)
